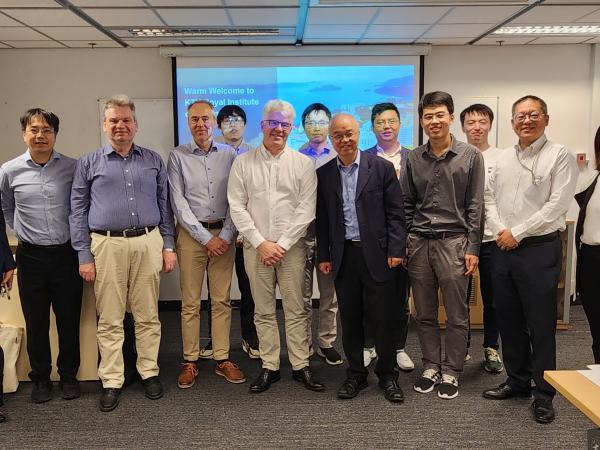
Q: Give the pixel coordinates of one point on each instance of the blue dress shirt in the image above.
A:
(349, 177)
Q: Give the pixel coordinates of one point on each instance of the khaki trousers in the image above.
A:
(289, 275)
(127, 277)
(193, 262)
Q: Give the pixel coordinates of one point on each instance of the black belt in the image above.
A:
(129, 232)
(353, 243)
(213, 225)
(438, 234)
(24, 244)
(538, 239)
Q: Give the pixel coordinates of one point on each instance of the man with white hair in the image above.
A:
(272, 196)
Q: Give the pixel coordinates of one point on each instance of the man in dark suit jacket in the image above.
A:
(361, 241)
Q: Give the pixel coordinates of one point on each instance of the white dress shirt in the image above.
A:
(591, 225)
(490, 156)
(272, 197)
(530, 190)
(395, 158)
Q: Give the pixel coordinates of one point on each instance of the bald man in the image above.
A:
(361, 241)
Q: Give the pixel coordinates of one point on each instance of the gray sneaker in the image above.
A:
(493, 363)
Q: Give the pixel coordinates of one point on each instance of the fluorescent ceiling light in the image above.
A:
(550, 29)
(178, 32)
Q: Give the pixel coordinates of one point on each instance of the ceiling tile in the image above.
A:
(560, 40)
(35, 44)
(124, 17)
(446, 41)
(97, 44)
(269, 40)
(505, 40)
(257, 17)
(6, 21)
(591, 18)
(262, 2)
(479, 14)
(329, 40)
(4, 46)
(547, 14)
(340, 15)
(194, 17)
(151, 43)
(462, 30)
(185, 2)
(334, 31)
(387, 41)
(397, 15)
(20, 34)
(109, 3)
(395, 31)
(210, 42)
(29, 4)
(46, 17)
(73, 33)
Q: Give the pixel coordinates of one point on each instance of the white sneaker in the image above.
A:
(369, 354)
(404, 361)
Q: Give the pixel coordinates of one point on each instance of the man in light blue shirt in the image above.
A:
(36, 189)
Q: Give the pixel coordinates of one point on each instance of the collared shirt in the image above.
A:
(198, 188)
(242, 148)
(272, 197)
(490, 156)
(530, 190)
(445, 193)
(319, 158)
(111, 192)
(36, 198)
(395, 158)
(349, 178)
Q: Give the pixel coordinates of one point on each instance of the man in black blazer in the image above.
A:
(361, 241)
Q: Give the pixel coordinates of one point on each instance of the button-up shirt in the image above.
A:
(490, 156)
(272, 197)
(349, 178)
(111, 192)
(445, 193)
(36, 198)
(198, 188)
(530, 190)
(395, 158)
(319, 158)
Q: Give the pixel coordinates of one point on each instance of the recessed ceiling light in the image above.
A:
(550, 29)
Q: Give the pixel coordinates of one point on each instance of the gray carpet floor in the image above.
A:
(216, 414)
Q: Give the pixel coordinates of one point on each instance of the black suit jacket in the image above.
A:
(7, 261)
(379, 208)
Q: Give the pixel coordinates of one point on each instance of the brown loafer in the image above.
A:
(188, 374)
(230, 371)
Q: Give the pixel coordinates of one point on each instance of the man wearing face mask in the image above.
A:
(315, 120)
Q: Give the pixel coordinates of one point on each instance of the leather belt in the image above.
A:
(24, 244)
(354, 243)
(439, 234)
(213, 225)
(128, 233)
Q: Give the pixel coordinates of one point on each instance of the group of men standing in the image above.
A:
(371, 222)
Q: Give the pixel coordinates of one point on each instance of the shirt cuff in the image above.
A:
(85, 257)
(472, 249)
(255, 239)
(285, 243)
(168, 241)
(518, 232)
(226, 235)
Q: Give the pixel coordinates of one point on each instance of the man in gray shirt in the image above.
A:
(443, 200)
(36, 189)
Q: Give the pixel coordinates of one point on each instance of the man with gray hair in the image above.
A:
(122, 227)
(272, 196)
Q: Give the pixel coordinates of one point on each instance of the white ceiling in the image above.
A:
(104, 23)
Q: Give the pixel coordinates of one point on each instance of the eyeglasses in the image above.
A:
(533, 116)
(44, 131)
(235, 120)
(340, 136)
(313, 123)
(383, 123)
(438, 116)
(285, 126)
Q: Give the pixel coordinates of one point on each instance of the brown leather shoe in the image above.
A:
(188, 374)
(230, 371)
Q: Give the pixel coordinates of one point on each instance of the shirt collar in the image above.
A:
(356, 162)
(55, 155)
(453, 148)
(535, 146)
(108, 149)
(194, 147)
(267, 154)
(312, 152)
(397, 152)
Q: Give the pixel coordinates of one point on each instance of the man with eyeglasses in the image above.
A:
(36, 188)
(386, 123)
(529, 193)
(315, 120)
(443, 187)
(272, 195)
(198, 173)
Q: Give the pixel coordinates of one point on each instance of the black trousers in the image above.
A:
(490, 321)
(1, 376)
(49, 277)
(353, 280)
(589, 291)
(525, 286)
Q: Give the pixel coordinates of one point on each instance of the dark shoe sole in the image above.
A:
(255, 390)
(231, 380)
(520, 395)
(359, 388)
(153, 396)
(70, 397)
(186, 386)
(109, 408)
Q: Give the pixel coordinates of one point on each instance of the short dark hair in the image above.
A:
(597, 148)
(436, 98)
(382, 107)
(479, 108)
(228, 111)
(530, 97)
(315, 107)
(50, 118)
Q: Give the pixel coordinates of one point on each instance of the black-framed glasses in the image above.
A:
(534, 116)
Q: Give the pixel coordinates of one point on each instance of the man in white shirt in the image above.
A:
(272, 199)
(526, 202)
(476, 121)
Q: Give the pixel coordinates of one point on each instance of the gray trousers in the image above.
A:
(433, 264)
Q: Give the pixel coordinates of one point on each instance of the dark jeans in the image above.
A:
(490, 320)
(356, 289)
(525, 286)
(49, 277)
(589, 291)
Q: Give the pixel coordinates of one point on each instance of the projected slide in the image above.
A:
(350, 89)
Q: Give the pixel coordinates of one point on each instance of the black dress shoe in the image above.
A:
(305, 377)
(543, 411)
(392, 391)
(351, 387)
(503, 392)
(152, 388)
(70, 389)
(109, 399)
(264, 380)
(42, 391)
